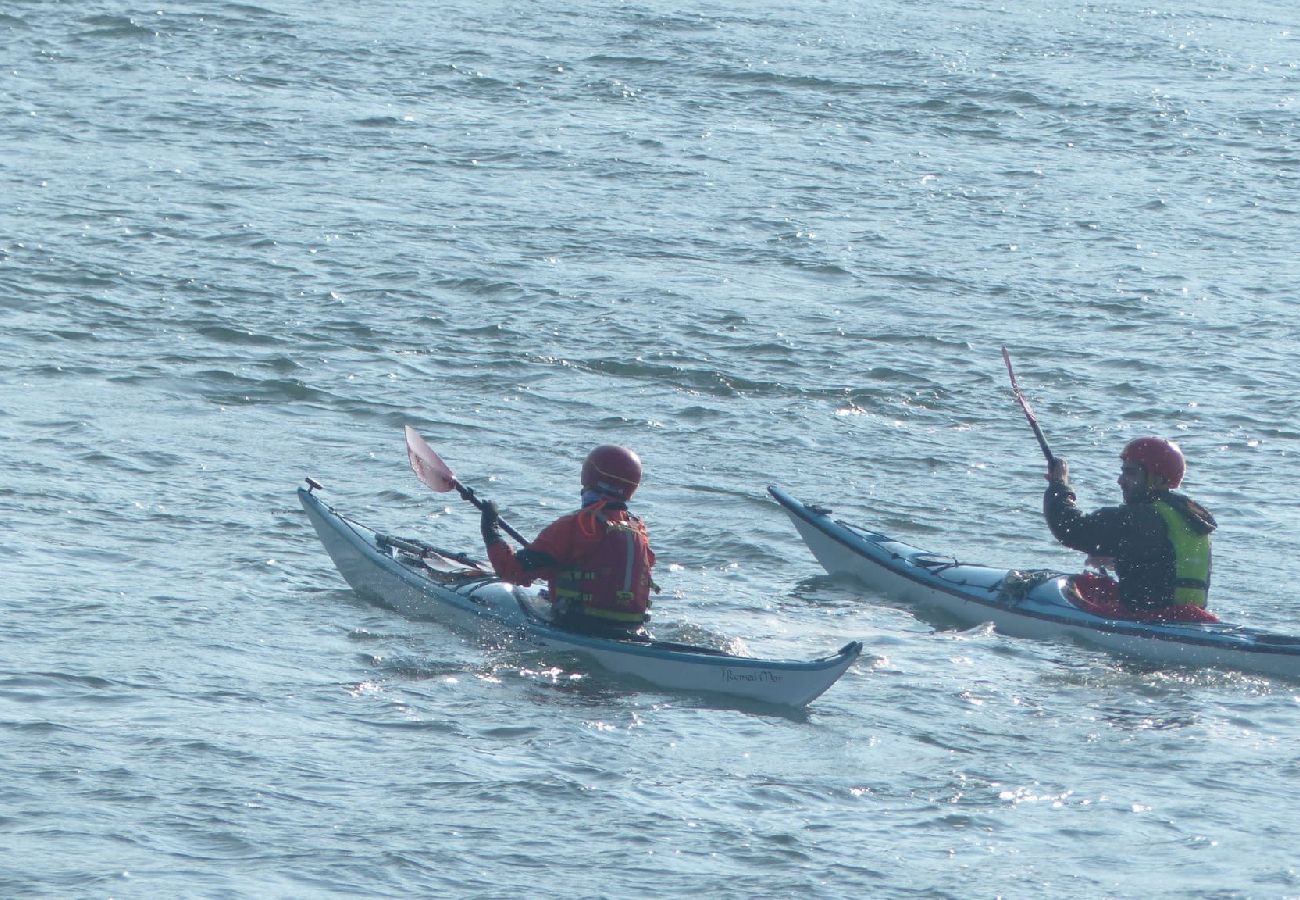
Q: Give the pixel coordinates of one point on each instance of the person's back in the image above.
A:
(1158, 540)
(596, 560)
(603, 566)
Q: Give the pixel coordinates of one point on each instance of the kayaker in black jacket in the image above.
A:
(1158, 541)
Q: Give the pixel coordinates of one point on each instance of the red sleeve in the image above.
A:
(556, 541)
(505, 565)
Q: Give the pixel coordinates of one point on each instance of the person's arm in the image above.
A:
(1098, 533)
(517, 567)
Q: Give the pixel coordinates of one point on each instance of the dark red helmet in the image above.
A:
(1158, 456)
(612, 470)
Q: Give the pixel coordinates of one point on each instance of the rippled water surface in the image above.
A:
(245, 243)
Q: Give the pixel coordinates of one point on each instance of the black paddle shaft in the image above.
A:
(467, 493)
(1028, 410)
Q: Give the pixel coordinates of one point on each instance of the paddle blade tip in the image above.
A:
(427, 465)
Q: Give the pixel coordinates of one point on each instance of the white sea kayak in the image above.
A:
(1032, 604)
(421, 581)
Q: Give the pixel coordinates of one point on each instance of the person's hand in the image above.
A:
(1058, 471)
(490, 524)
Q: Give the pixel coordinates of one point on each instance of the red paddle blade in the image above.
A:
(426, 464)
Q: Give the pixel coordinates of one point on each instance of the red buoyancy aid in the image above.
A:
(612, 579)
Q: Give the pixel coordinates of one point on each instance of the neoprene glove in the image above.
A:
(490, 524)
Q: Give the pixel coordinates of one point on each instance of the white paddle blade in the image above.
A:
(426, 464)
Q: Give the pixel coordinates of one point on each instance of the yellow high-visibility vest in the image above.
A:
(1191, 557)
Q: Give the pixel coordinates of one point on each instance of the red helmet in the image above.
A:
(612, 470)
(1158, 456)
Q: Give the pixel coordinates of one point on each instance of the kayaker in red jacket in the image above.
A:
(596, 560)
(1158, 541)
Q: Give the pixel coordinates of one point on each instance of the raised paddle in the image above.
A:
(429, 468)
(1029, 410)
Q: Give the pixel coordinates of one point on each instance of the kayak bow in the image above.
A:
(1033, 604)
(421, 581)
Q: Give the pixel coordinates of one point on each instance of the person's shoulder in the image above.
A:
(566, 520)
(621, 513)
(1127, 512)
(1193, 511)
(563, 524)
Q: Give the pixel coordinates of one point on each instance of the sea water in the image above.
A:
(245, 243)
